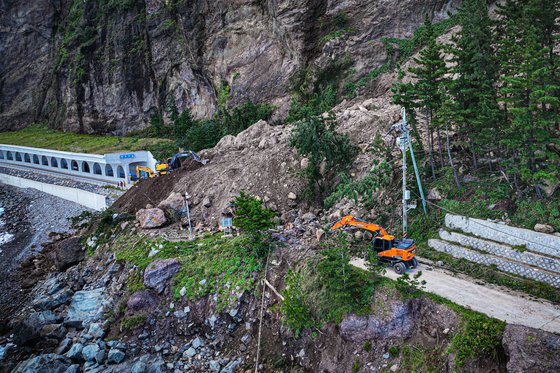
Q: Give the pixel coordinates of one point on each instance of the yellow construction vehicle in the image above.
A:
(400, 254)
(174, 162)
(143, 172)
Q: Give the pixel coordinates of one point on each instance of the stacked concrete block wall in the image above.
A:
(504, 251)
(502, 264)
(546, 244)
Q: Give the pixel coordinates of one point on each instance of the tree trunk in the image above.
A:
(449, 155)
(430, 142)
(440, 148)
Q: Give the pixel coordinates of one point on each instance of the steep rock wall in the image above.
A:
(105, 66)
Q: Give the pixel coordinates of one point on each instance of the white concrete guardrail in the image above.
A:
(82, 197)
(111, 168)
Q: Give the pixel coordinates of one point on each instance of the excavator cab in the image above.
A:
(400, 254)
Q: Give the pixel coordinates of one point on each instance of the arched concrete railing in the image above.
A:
(111, 168)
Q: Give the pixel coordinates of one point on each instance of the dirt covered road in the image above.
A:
(494, 301)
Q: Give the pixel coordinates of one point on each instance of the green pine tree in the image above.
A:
(475, 108)
(529, 92)
(430, 77)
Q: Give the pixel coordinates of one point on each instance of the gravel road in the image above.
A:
(494, 301)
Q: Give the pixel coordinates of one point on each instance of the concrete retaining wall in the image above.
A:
(538, 242)
(536, 260)
(501, 264)
(88, 199)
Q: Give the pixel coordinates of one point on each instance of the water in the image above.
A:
(5, 237)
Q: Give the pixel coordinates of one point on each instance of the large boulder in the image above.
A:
(158, 273)
(531, 350)
(141, 302)
(174, 201)
(29, 329)
(86, 307)
(50, 363)
(151, 218)
(51, 294)
(544, 228)
(67, 253)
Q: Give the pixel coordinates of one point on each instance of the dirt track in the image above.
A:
(494, 301)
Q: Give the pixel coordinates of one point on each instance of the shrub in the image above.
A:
(326, 289)
(316, 138)
(254, 219)
(296, 315)
(479, 336)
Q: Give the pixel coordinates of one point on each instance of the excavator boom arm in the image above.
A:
(350, 220)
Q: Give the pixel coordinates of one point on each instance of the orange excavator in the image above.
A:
(398, 253)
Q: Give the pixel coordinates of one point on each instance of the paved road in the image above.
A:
(495, 301)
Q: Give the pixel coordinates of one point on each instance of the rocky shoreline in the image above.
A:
(29, 218)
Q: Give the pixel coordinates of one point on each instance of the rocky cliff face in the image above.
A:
(106, 65)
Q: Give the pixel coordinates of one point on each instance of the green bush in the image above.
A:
(326, 288)
(254, 219)
(250, 214)
(479, 336)
(295, 313)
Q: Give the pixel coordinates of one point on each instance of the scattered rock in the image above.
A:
(544, 228)
(434, 195)
(29, 330)
(292, 196)
(197, 343)
(89, 352)
(75, 352)
(151, 218)
(44, 363)
(115, 356)
(394, 368)
(309, 217)
(159, 272)
(214, 366)
(55, 331)
(189, 353)
(86, 307)
(359, 235)
(319, 233)
(96, 330)
(206, 202)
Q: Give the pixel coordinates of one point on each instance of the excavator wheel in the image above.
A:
(413, 263)
(399, 268)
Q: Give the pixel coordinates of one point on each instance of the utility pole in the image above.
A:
(404, 140)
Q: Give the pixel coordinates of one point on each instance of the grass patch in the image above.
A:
(40, 136)
(133, 322)
(419, 358)
(225, 266)
(135, 282)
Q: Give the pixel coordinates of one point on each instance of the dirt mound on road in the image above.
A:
(148, 191)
